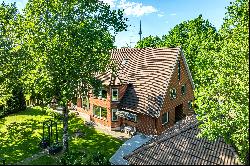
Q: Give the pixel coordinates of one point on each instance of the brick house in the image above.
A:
(151, 90)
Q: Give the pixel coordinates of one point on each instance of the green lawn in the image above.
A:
(20, 135)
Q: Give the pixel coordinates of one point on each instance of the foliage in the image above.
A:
(149, 41)
(17, 102)
(84, 158)
(68, 50)
(69, 42)
(224, 104)
(8, 50)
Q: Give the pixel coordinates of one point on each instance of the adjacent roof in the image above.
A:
(180, 146)
(127, 148)
(147, 71)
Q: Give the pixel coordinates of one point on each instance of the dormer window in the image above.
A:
(179, 70)
(114, 94)
(125, 61)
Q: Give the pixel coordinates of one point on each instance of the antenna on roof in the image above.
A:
(140, 32)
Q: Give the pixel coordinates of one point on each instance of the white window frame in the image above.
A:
(190, 102)
(171, 93)
(167, 118)
(117, 94)
(114, 110)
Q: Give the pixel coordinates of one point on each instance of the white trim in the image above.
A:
(167, 118)
(117, 94)
(187, 68)
(114, 110)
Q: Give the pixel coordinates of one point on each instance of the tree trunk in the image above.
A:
(65, 129)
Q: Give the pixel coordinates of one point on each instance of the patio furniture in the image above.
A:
(128, 129)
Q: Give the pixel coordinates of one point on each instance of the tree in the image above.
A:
(193, 36)
(11, 56)
(69, 42)
(149, 41)
(223, 106)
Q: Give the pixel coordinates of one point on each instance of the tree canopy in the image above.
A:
(55, 48)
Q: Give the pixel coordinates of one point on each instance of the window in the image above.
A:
(190, 104)
(114, 94)
(179, 70)
(164, 118)
(103, 94)
(96, 110)
(131, 117)
(99, 111)
(114, 116)
(183, 89)
(85, 102)
(103, 112)
(173, 93)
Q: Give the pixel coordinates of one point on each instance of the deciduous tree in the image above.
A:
(70, 42)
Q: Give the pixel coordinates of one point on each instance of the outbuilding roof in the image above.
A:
(179, 145)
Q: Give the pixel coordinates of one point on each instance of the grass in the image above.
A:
(21, 133)
(43, 160)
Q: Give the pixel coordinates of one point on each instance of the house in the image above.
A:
(179, 145)
(151, 90)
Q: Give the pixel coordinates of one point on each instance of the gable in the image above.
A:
(148, 72)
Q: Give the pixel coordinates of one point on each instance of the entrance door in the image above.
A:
(179, 113)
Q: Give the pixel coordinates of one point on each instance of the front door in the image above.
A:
(179, 113)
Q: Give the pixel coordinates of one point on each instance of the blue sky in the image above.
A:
(159, 16)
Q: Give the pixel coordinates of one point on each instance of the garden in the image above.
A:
(21, 134)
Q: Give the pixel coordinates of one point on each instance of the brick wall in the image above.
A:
(147, 124)
(170, 104)
(106, 103)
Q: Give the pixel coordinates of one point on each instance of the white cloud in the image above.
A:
(110, 2)
(173, 14)
(160, 15)
(135, 9)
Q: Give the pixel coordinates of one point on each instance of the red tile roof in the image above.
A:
(148, 72)
(179, 145)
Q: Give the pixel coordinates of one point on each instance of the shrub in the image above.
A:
(84, 158)
(17, 102)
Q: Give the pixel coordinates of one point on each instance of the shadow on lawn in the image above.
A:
(20, 140)
(92, 140)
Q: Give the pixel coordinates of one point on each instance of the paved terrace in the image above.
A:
(117, 134)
